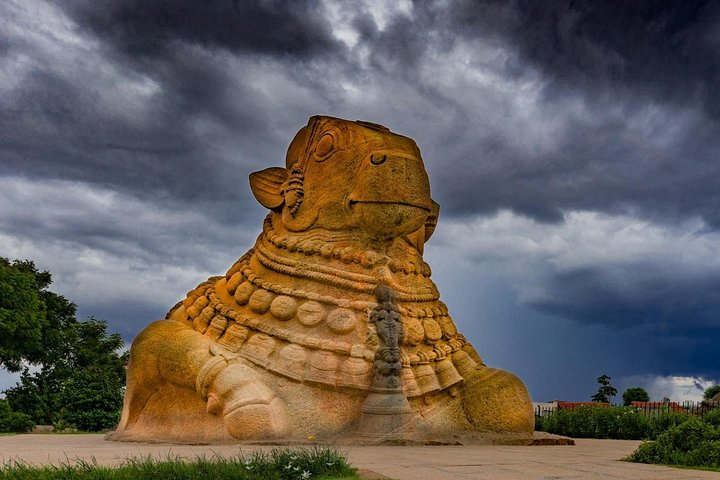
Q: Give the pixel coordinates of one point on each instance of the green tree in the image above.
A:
(13, 422)
(22, 312)
(91, 400)
(91, 396)
(635, 394)
(82, 382)
(710, 392)
(605, 390)
(81, 374)
(31, 316)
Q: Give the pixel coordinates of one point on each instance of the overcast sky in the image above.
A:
(574, 148)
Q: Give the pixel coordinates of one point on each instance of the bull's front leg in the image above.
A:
(234, 390)
(495, 400)
(168, 351)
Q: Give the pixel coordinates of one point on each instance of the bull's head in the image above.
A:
(343, 175)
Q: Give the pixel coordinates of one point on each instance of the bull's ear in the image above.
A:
(267, 184)
(432, 219)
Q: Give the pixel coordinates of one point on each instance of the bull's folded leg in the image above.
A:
(250, 409)
(155, 361)
(231, 388)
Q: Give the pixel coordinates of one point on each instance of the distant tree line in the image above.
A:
(634, 394)
(72, 372)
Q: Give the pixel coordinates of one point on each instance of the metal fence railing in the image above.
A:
(647, 408)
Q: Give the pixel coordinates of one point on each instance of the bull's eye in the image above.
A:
(377, 159)
(324, 147)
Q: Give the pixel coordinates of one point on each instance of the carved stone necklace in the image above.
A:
(325, 244)
(291, 303)
(348, 267)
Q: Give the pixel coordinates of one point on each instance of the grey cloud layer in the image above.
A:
(145, 29)
(664, 51)
(631, 86)
(162, 109)
(596, 269)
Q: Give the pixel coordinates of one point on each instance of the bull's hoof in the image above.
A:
(258, 421)
(497, 401)
(250, 409)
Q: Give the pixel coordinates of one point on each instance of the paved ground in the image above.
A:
(588, 459)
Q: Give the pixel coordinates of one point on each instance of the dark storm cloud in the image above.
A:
(401, 45)
(631, 296)
(633, 68)
(128, 316)
(144, 28)
(59, 125)
(128, 130)
(188, 49)
(663, 50)
(598, 164)
(483, 305)
(646, 142)
(642, 137)
(131, 138)
(674, 319)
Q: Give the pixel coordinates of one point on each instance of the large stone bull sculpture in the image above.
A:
(330, 325)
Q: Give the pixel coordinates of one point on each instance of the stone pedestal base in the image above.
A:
(386, 417)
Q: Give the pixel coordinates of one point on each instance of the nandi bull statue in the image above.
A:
(329, 327)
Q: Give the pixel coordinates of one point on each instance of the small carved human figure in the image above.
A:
(386, 319)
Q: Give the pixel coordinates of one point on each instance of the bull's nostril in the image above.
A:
(377, 159)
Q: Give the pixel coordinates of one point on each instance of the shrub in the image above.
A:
(662, 422)
(693, 443)
(628, 423)
(712, 417)
(13, 422)
(91, 401)
(705, 455)
(572, 423)
(62, 425)
(580, 422)
(597, 422)
(560, 422)
(650, 452)
(632, 425)
(688, 435)
(604, 422)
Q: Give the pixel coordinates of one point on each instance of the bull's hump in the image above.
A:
(373, 126)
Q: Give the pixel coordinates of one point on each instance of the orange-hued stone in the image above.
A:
(330, 326)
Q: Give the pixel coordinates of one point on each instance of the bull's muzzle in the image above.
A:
(392, 193)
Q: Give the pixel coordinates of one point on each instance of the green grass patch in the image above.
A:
(280, 464)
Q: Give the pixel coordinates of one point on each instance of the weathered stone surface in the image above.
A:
(330, 326)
